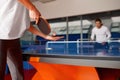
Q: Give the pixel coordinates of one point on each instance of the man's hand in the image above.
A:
(103, 43)
(53, 38)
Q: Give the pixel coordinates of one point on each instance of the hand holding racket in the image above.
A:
(44, 27)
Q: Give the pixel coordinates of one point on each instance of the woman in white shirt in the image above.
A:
(101, 33)
(14, 21)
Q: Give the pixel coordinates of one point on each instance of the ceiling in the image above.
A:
(43, 1)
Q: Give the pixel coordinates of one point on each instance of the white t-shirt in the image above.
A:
(102, 34)
(14, 19)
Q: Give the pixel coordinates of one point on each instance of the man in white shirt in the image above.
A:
(101, 33)
(14, 21)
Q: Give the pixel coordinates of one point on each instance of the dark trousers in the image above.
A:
(10, 53)
(99, 47)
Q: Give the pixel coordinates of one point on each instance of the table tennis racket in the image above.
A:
(44, 26)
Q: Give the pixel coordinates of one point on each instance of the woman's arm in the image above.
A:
(39, 33)
(34, 13)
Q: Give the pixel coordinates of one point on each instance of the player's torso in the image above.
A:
(100, 34)
(101, 31)
(14, 19)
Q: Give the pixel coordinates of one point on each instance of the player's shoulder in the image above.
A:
(105, 27)
(94, 28)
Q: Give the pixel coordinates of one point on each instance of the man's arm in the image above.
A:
(92, 35)
(108, 34)
(39, 33)
(34, 13)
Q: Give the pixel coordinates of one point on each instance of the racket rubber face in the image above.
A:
(44, 26)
